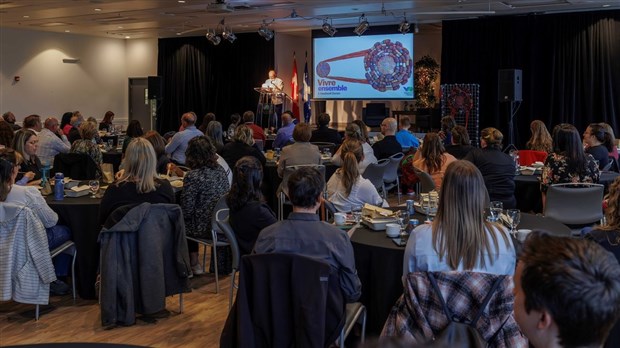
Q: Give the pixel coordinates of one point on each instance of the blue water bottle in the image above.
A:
(59, 187)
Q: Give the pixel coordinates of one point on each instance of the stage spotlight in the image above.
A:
(214, 39)
(362, 26)
(328, 28)
(403, 27)
(416, 28)
(229, 35)
(265, 32)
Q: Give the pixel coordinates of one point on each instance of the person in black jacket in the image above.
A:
(389, 145)
(242, 145)
(323, 133)
(460, 144)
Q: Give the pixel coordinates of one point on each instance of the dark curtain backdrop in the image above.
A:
(200, 77)
(570, 63)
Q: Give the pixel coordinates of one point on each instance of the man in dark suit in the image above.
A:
(324, 133)
(389, 145)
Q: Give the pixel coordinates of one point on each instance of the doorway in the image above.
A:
(139, 107)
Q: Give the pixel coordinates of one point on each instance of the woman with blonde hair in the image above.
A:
(242, 145)
(86, 144)
(26, 143)
(347, 188)
(459, 238)
(354, 132)
(138, 181)
(540, 139)
(432, 158)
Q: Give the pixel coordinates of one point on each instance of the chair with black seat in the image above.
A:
(390, 176)
(426, 183)
(283, 189)
(223, 226)
(220, 213)
(79, 166)
(374, 172)
(575, 205)
(288, 300)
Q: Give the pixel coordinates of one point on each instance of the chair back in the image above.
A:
(575, 204)
(527, 157)
(79, 166)
(260, 145)
(331, 147)
(391, 171)
(288, 170)
(426, 183)
(374, 172)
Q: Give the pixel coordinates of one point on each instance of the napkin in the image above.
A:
(375, 212)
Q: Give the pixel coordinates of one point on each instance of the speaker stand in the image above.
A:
(511, 128)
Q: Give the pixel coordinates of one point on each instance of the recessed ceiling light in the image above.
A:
(67, 31)
(26, 16)
(606, 5)
(127, 37)
(120, 27)
(97, 9)
(178, 33)
(181, 1)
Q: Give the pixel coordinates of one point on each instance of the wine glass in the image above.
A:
(94, 187)
(495, 210)
(514, 217)
(425, 203)
(356, 211)
(110, 144)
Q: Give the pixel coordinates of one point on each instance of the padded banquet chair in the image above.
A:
(78, 166)
(527, 157)
(283, 189)
(224, 227)
(220, 213)
(575, 204)
(390, 176)
(426, 183)
(287, 300)
(374, 172)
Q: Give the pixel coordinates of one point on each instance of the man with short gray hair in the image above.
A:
(178, 143)
(52, 141)
(389, 145)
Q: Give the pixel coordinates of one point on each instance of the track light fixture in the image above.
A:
(361, 27)
(416, 28)
(229, 35)
(328, 28)
(403, 27)
(212, 37)
(265, 32)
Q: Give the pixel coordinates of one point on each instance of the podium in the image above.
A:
(267, 107)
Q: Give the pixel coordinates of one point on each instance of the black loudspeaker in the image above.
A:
(155, 87)
(509, 85)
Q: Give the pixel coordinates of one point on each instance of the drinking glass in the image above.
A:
(94, 187)
(110, 143)
(495, 210)
(425, 203)
(514, 216)
(121, 141)
(356, 211)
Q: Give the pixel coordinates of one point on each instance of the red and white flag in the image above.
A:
(295, 89)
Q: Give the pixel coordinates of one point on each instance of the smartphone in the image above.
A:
(399, 242)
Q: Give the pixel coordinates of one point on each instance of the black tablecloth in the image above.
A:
(81, 215)
(540, 223)
(527, 190)
(113, 157)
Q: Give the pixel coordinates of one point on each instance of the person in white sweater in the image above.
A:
(353, 132)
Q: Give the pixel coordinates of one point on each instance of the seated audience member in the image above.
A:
(203, 187)
(404, 136)
(301, 151)
(133, 131)
(461, 145)
(74, 131)
(346, 188)
(388, 146)
(598, 143)
(6, 135)
(323, 133)
(567, 292)
(97, 137)
(304, 234)
(9, 118)
(52, 141)
(235, 119)
(257, 132)
(205, 122)
(65, 123)
(241, 145)
(26, 143)
(354, 132)
(447, 124)
(178, 143)
(214, 132)
(363, 130)
(32, 122)
(459, 238)
(138, 181)
(568, 163)
(612, 136)
(285, 133)
(87, 145)
(159, 145)
(432, 158)
(540, 139)
(497, 168)
(249, 213)
(30, 197)
(106, 123)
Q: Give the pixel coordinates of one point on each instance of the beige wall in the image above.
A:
(49, 87)
(285, 45)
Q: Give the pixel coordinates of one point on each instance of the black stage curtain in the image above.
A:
(200, 77)
(570, 63)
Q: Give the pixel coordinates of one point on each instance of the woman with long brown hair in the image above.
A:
(540, 139)
(433, 158)
(459, 238)
(347, 188)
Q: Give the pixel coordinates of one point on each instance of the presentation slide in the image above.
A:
(364, 67)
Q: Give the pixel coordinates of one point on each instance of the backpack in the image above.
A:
(461, 334)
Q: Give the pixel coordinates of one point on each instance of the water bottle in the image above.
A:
(410, 208)
(59, 187)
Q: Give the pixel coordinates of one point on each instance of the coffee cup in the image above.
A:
(392, 230)
(340, 218)
(522, 234)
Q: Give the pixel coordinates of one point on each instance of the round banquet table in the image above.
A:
(81, 215)
(379, 264)
(527, 190)
(114, 157)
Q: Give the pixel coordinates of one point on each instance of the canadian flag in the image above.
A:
(295, 89)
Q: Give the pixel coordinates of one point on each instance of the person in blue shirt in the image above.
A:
(178, 143)
(285, 133)
(404, 136)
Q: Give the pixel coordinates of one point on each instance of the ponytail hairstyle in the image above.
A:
(352, 153)
(246, 182)
(9, 158)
